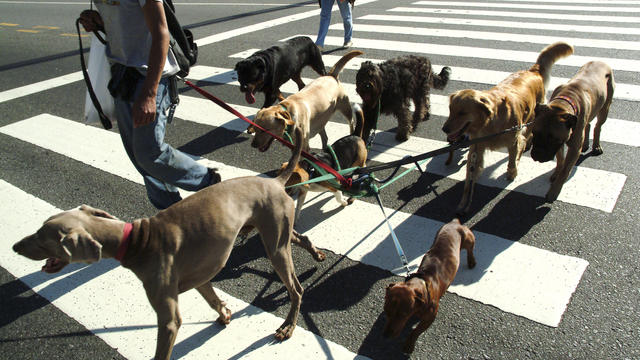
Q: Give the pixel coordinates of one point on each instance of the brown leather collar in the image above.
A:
(567, 99)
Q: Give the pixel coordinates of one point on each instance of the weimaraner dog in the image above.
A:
(183, 246)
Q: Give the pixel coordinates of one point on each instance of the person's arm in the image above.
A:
(144, 107)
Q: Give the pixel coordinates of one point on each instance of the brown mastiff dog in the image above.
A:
(419, 295)
(183, 246)
(566, 120)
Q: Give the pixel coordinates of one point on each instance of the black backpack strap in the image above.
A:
(106, 123)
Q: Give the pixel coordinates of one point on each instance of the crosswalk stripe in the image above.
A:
(614, 130)
(546, 7)
(623, 91)
(532, 177)
(478, 52)
(86, 293)
(367, 241)
(39, 86)
(513, 14)
(502, 24)
(493, 36)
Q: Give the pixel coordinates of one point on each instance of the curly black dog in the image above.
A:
(391, 84)
(266, 70)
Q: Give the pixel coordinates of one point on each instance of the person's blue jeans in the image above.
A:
(163, 168)
(325, 20)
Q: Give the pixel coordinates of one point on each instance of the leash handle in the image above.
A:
(344, 181)
(396, 242)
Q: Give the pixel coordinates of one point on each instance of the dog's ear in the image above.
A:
(570, 120)
(80, 246)
(96, 212)
(286, 116)
(485, 105)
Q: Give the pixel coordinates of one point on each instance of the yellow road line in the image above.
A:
(29, 31)
(46, 27)
(8, 24)
(68, 34)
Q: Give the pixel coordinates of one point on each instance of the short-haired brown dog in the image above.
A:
(509, 103)
(419, 295)
(351, 151)
(565, 120)
(309, 109)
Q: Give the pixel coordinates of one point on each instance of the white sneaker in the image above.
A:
(348, 44)
(320, 47)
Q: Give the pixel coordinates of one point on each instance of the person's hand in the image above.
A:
(91, 20)
(144, 110)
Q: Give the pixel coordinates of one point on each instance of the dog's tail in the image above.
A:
(295, 157)
(548, 56)
(337, 68)
(440, 81)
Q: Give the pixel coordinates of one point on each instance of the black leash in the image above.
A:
(106, 123)
(413, 159)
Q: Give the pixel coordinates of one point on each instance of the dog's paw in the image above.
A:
(285, 331)
(511, 174)
(597, 151)
(319, 256)
(402, 137)
(225, 317)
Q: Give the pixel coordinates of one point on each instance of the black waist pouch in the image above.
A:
(124, 81)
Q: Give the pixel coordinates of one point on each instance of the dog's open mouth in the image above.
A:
(455, 136)
(249, 97)
(53, 265)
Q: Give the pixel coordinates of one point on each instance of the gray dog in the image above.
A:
(183, 246)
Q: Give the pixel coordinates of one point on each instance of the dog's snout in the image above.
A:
(17, 247)
(446, 129)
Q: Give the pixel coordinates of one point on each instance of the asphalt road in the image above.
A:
(344, 295)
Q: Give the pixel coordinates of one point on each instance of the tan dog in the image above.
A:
(183, 246)
(309, 109)
(419, 295)
(566, 120)
(509, 103)
(351, 151)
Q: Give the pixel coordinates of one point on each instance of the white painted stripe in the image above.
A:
(610, 2)
(532, 176)
(265, 25)
(547, 7)
(472, 75)
(587, 29)
(39, 86)
(371, 244)
(528, 57)
(86, 293)
(483, 35)
(514, 14)
(614, 130)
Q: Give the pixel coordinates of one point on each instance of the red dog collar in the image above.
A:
(571, 102)
(124, 244)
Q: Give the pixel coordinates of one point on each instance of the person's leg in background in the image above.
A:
(347, 21)
(325, 20)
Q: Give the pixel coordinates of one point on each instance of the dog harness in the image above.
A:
(124, 243)
(567, 99)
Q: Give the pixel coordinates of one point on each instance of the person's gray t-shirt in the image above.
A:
(129, 39)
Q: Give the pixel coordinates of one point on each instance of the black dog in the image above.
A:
(390, 85)
(266, 70)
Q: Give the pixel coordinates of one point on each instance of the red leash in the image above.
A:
(344, 181)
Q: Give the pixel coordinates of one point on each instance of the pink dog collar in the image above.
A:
(124, 244)
(571, 102)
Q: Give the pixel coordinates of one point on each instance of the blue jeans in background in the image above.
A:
(325, 20)
(163, 168)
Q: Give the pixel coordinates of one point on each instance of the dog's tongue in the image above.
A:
(249, 97)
